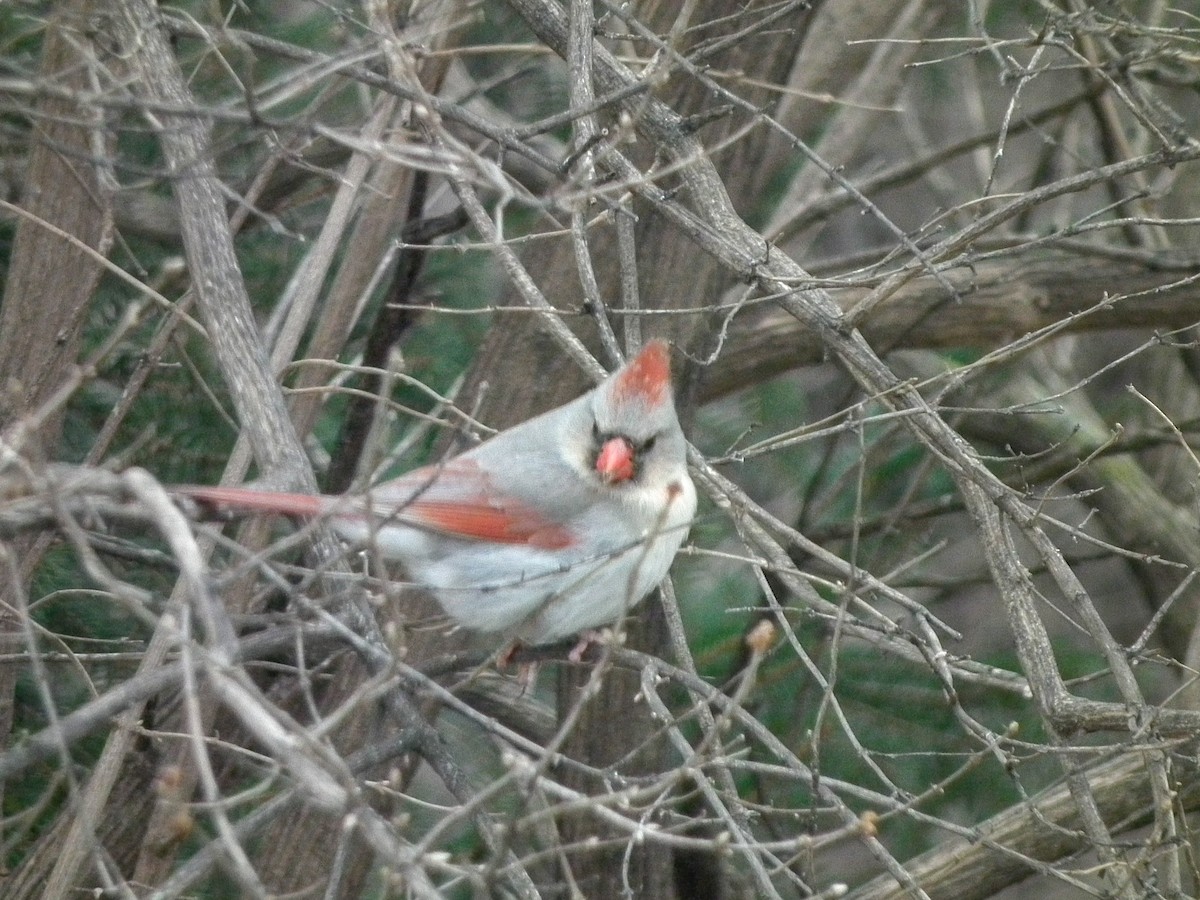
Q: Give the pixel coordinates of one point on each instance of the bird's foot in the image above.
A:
(508, 654)
(596, 636)
(526, 671)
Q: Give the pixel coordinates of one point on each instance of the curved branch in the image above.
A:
(1010, 845)
(995, 304)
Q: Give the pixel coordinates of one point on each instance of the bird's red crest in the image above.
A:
(647, 376)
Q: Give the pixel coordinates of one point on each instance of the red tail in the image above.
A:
(249, 500)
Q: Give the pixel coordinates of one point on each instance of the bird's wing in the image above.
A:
(460, 499)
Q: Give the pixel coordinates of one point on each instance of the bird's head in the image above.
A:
(635, 432)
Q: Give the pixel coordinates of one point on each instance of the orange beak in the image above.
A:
(615, 461)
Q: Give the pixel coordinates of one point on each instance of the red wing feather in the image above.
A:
(459, 498)
(510, 524)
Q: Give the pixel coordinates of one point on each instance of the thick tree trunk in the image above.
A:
(52, 277)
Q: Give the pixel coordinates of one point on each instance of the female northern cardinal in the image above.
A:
(555, 526)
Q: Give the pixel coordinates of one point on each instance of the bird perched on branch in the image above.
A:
(553, 527)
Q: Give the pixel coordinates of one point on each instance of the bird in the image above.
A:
(552, 528)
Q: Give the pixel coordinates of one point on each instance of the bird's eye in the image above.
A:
(648, 444)
(595, 432)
